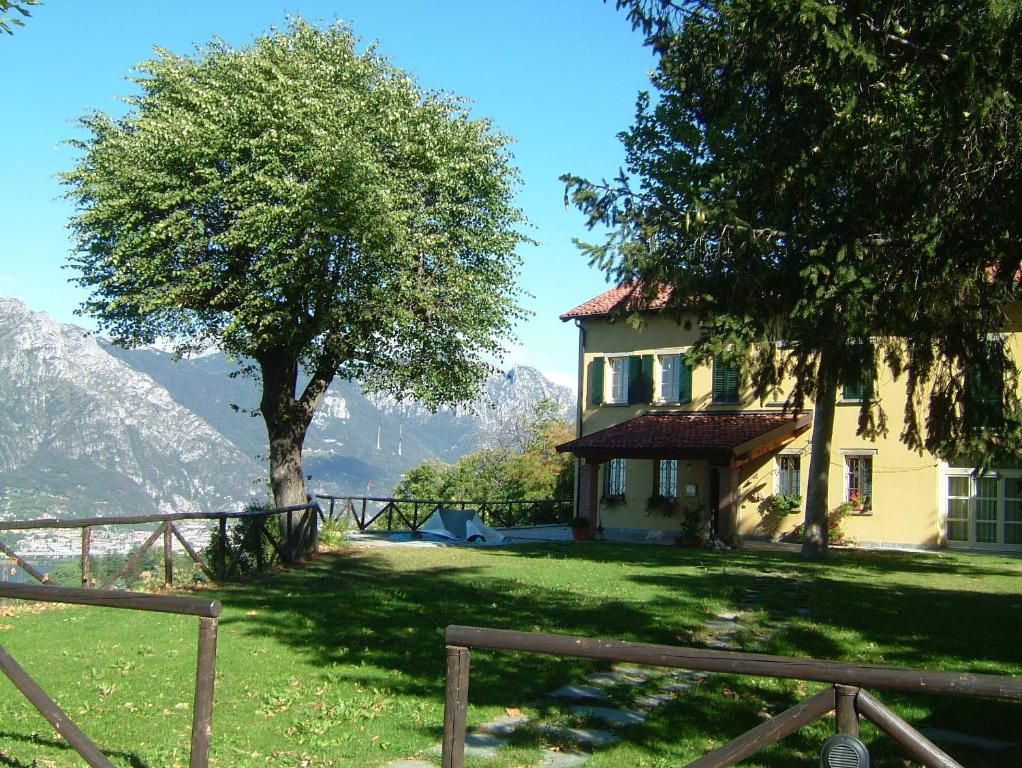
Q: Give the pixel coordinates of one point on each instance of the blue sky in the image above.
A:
(560, 76)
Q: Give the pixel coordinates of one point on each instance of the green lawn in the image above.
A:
(341, 662)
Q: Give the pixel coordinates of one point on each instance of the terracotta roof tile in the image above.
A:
(698, 434)
(626, 296)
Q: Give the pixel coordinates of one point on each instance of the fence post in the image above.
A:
(202, 712)
(221, 550)
(844, 706)
(332, 500)
(362, 522)
(168, 556)
(86, 545)
(455, 707)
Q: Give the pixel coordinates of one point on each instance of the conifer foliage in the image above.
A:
(842, 177)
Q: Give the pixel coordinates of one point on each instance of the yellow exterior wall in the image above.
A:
(906, 485)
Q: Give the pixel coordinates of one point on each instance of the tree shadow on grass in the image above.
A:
(356, 608)
(56, 744)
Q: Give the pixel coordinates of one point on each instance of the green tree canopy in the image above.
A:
(521, 465)
(301, 205)
(845, 178)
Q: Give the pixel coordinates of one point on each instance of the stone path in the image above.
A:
(624, 696)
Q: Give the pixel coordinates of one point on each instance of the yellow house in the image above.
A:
(655, 437)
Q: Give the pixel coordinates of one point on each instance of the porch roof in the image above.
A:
(729, 436)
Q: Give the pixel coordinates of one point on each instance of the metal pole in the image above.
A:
(202, 712)
(455, 707)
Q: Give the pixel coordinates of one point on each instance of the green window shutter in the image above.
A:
(853, 391)
(725, 382)
(596, 381)
(647, 379)
(634, 379)
(684, 383)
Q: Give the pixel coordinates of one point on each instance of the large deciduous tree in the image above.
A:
(844, 177)
(309, 208)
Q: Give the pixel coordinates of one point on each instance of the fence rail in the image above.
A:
(297, 526)
(846, 696)
(384, 512)
(207, 612)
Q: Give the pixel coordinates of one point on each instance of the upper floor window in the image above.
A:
(667, 479)
(675, 379)
(725, 382)
(614, 478)
(857, 391)
(789, 474)
(617, 380)
(985, 389)
(621, 379)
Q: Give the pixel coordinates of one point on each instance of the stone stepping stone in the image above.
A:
(611, 716)
(578, 692)
(587, 737)
(477, 745)
(654, 700)
(728, 616)
(613, 678)
(561, 758)
(725, 626)
(722, 645)
(504, 725)
(641, 673)
(409, 763)
(675, 687)
(764, 637)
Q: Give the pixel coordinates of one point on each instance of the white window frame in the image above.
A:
(674, 395)
(797, 455)
(1001, 476)
(616, 380)
(848, 455)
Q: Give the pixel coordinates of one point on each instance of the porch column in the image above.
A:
(727, 523)
(588, 493)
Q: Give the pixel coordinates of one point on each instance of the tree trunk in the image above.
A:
(285, 428)
(814, 539)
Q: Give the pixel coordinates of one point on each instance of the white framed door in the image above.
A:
(984, 511)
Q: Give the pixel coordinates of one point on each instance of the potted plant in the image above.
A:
(780, 504)
(858, 503)
(691, 526)
(662, 505)
(579, 527)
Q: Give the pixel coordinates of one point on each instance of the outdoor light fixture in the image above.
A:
(844, 751)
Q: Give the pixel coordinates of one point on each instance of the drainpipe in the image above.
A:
(578, 410)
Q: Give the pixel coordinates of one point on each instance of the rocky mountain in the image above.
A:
(89, 428)
(358, 443)
(83, 433)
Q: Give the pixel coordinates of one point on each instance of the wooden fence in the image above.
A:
(846, 696)
(384, 512)
(207, 612)
(298, 532)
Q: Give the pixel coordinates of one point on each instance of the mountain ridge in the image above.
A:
(88, 427)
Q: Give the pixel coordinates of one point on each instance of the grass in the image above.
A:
(341, 662)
